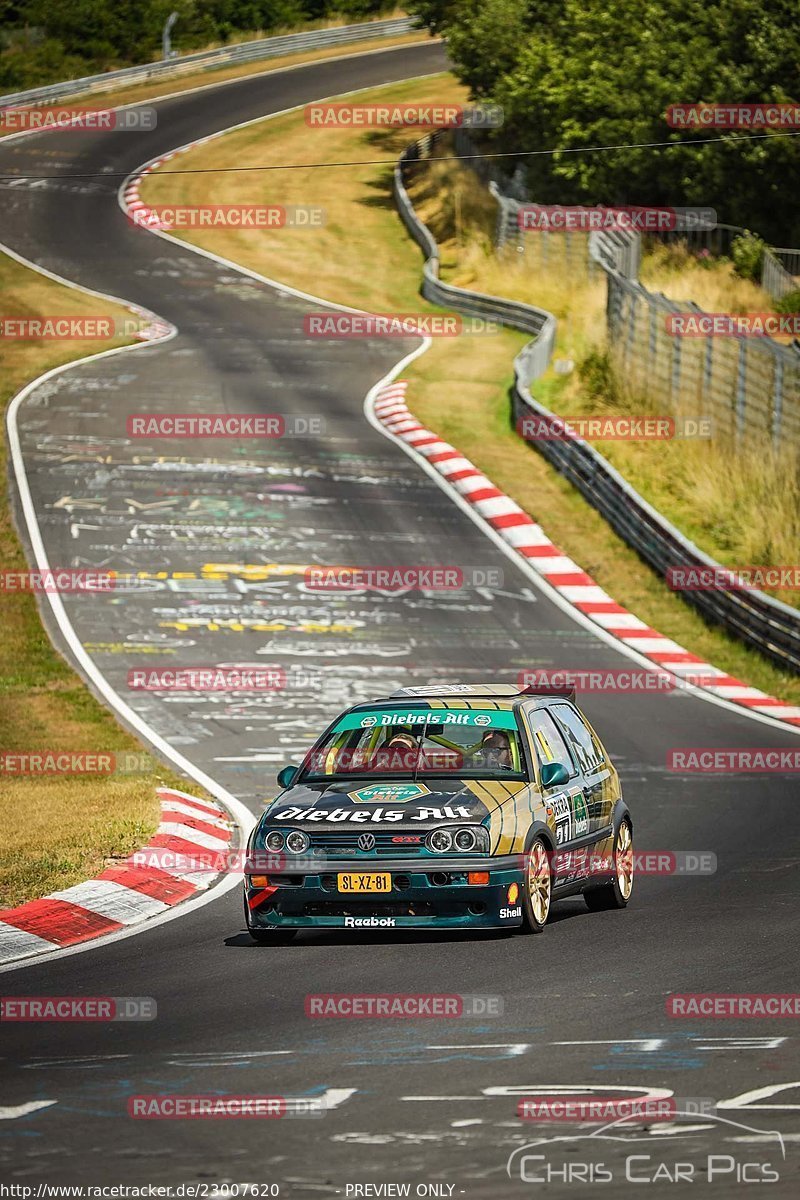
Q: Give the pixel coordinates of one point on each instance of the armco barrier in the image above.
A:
(762, 622)
(534, 357)
(208, 60)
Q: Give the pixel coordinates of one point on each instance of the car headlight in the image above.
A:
(471, 839)
(465, 840)
(440, 841)
(297, 842)
(274, 840)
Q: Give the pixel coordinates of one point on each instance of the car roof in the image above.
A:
(471, 695)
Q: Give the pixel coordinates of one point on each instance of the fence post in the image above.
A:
(675, 379)
(632, 302)
(708, 369)
(741, 388)
(777, 401)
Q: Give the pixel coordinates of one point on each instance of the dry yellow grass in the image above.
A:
(671, 269)
(364, 258)
(359, 211)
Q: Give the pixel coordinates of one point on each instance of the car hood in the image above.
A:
(388, 802)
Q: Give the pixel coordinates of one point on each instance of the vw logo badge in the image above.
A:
(366, 841)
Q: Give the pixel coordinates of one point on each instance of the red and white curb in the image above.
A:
(126, 893)
(530, 541)
(135, 209)
(133, 205)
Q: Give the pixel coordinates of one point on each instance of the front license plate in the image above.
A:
(377, 882)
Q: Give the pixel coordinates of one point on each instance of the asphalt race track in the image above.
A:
(429, 1102)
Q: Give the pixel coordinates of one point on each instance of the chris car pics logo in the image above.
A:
(625, 1152)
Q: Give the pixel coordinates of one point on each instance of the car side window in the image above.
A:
(579, 737)
(548, 740)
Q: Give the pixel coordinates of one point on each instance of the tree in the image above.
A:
(586, 74)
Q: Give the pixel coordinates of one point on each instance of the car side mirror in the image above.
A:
(553, 773)
(287, 776)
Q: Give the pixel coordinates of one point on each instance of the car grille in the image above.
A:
(343, 843)
(340, 908)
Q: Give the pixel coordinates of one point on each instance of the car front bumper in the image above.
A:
(425, 894)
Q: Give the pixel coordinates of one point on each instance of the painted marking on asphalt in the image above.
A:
(745, 1100)
(512, 1049)
(646, 1044)
(12, 1111)
(330, 1098)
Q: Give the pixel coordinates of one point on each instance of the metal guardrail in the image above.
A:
(768, 625)
(520, 316)
(775, 279)
(790, 259)
(209, 60)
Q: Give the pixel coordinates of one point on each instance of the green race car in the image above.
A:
(448, 807)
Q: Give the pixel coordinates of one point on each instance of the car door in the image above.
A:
(590, 756)
(566, 801)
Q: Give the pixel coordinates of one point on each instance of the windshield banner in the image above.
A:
(450, 718)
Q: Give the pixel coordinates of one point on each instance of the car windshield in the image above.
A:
(408, 743)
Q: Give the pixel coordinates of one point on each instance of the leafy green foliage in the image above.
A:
(790, 303)
(747, 253)
(45, 41)
(585, 73)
